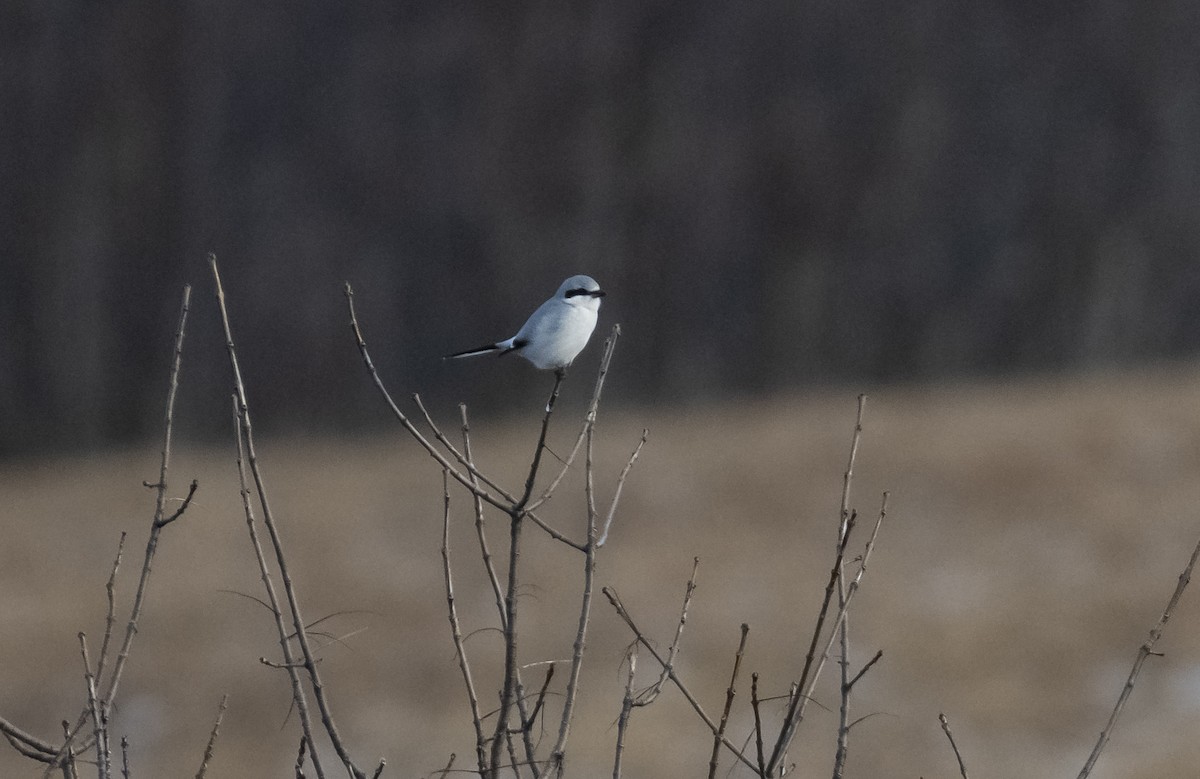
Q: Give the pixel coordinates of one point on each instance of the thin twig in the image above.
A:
(110, 614)
(98, 721)
(516, 515)
(800, 693)
(626, 709)
(687, 694)
(540, 700)
(407, 423)
(962, 768)
(300, 757)
(535, 466)
(463, 457)
(610, 344)
(729, 693)
(1144, 653)
(125, 757)
(449, 765)
(845, 688)
(865, 668)
(212, 738)
(558, 754)
(484, 550)
(647, 696)
(758, 739)
(105, 698)
(299, 698)
(612, 507)
(456, 632)
(268, 518)
(809, 675)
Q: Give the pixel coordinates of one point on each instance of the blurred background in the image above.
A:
(776, 194)
(983, 214)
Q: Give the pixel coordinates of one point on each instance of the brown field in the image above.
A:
(1035, 532)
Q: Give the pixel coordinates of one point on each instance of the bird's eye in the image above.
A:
(577, 291)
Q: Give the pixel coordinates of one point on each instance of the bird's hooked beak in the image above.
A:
(598, 293)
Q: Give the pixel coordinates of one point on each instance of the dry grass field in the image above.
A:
(1035, 532)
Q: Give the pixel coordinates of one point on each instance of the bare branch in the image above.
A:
(298, 695)
(463, 458)
(962, 768)
(110, 690)
(403, 419)
(687, 694)
(559, 376)
(304, 742)
(511, 678)
(99, 721)
(1144, 653)
(758, 739)
(647, 696)
(612, 507)
(610, 344)
(163, 522)
(557, 755)
(28, 745)
(802, 689)
(106, 693)
(212, 738)
(810, 674)
(626, 708)
(477, 502)
(247, 432)
(729, 693)
(865, 668)
(527, 722)
(110, 614)
(456, 633)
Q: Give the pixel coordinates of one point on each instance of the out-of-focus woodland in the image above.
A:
(776, 194)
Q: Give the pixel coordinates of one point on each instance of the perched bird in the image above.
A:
(556, 333)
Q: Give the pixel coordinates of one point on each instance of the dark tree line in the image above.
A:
(776, 193)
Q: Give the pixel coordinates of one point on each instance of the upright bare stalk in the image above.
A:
(456, 632)
(843, 734)
(729, 693)
(307, 657)
(299, 697)
(106, 692)
(811, 672)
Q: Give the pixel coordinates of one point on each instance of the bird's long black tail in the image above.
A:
(478, 350)
(502, 348)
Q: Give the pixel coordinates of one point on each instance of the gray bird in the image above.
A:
(557, 331)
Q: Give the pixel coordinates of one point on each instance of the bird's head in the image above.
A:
(581, 291)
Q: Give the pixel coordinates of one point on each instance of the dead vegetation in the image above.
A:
(1031, 541)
